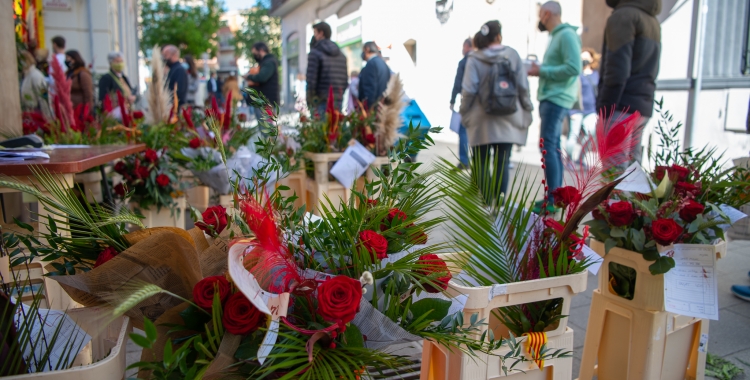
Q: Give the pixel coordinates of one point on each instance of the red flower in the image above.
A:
(151, 155)
(269, 111)
(419, 238)
(120, 167)
(338, 299)
(119, 189)
(682, 172)
(242, 117)
(665, 231)
(397, 214)
(372, 202)
(685, 188)
(215, 217)
(659, 172)
(690, 210)
(162, 180)
(437, 270)
(203, 291)
(240, 316)
(370, 138)
(107, 254)
(374, 243)
(196, 142)
(620, 213)
(142, 172)
(138, 115)
(566, 195)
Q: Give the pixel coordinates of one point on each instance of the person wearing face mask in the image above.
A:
(82, 83)
(558, 90)
(374, 76)
(115, 79)
(177, 80)
(586, 116)
(266, 81)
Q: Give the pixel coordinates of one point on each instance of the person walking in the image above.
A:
(213, 87)
(266, 81)
(115, 79)
(463, 140)
(353, 99)
(82, 82)
(177, 80)
(374, 76)
(193, 80)
(586, 116)
(630, 62)
(326, 68)
(494, 121)
(58, 53)
(34, 87)
(558, 90)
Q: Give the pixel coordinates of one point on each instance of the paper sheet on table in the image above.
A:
(635, 180)
(690, 287)
(13, 155)
(455, 121)
(66, 146)
(68, 343)
(352, 164)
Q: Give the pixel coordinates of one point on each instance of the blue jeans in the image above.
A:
(552, 117)
(463, 145)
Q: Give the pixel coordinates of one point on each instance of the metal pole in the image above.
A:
(91, 31)
(695, 67)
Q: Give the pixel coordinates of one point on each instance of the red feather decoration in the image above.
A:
(226, 119)
(333, 117)
(126, 119)
(107, 104)
(187, 114)
(61, 97)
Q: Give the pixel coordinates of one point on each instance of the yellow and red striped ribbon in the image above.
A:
(534, 343)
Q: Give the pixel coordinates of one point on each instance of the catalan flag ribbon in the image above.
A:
(535, 341)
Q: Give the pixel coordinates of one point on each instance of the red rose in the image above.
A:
(195, 143)
(681, 171)
(685, 188)
(142, 172)
(151, 155)
(107, 254)
(620, 213)
(690, 210)
(372, 202)
(215, 217)
(395, 213)
(566, 195)
(203, 291)
(119, 189)
(437, 270)
(137, 115)
(419, 238)
(240, 316)
(120, 167)
(659, 172)
(597, 212)
(241, 117)
(370, 138)
(162, 180)
(338, 299)
(374, 243)
(665, 231)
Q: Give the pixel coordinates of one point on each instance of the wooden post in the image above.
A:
(10, 98)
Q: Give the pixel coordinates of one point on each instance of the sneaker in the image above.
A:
(741, 291)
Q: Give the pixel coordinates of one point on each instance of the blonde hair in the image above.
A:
(28, 59)
(595, 57)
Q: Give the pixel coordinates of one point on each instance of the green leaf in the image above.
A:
(617, 232)
(662, 265)
(651, 255)
(140, 340)
(23, 225)
(437, 308)
(353, 337)
(150, 329)
(194, 318)
(638, 237)
(609, 244)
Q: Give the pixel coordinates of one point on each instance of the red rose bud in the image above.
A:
(685, 188)
(151, 155)
(620, 213)
(665, 231)
(374, 243)
(107, 254)
(395, 213)
(138, 115)
(120, 167)
(214, 216)
(119, 189)
(142, 172)
(240, 316)
(338, 299)
(269, 111)
(372, 202)
(437, 270)
(203, 291)
(419, 238)
(370, 138)
(162, 180)
(681, 171)
(195, 143)
(566, 195)
(690, 210)
(242, 117)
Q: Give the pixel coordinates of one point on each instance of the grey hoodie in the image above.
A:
(481, 127)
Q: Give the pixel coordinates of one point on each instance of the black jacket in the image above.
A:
(630, 57)
(178, 75)
(373, 80)
(459, 79)
(326, 67)
(267, 78)
(108, 84)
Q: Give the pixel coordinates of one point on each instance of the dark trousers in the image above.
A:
(496, 167)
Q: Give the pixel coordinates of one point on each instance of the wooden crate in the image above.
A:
(104, 357)
(297, 183)
(624, 342)
(164, 217)
(198, 197)
(317, 192)
(440, 364)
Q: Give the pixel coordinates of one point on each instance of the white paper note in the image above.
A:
(352, 164)
(455, 121)
(635, 180)
(733, 214)
(596, 260)
(268, 341)
(690, 287)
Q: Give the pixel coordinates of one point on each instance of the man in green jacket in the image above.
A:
(558, 90)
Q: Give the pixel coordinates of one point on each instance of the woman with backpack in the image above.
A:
(495, 106)
(585, 115)
(82, 83)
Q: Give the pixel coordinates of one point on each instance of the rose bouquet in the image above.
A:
(682, 201)
(149, 179)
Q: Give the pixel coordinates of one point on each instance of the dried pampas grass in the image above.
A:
(389, 113)
(159, 99)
